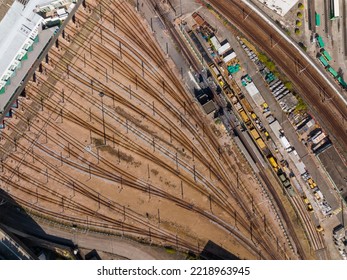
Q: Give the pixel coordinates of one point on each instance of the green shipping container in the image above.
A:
(342, 82)
(323, 61)
(326, 55)
(332, 71)
(317, 19)
(320, 42)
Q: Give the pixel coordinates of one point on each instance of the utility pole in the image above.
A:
(210, 199)
(176, 162)
(120, 49)
(194, 172)
(181, 189)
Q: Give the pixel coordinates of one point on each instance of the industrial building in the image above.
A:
(281, 7)
(26, 29)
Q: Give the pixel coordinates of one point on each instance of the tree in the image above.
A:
(297, 31)
(262, 57)
(301, 6)
(270, 65)
(299, 15)
(288, 85)
(298, 23)
(301, 106)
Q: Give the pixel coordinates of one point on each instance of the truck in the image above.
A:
(244, 117)
(246, 105)
(282, 177)
(273, 163)
(270, 118)
(286, 183)
(255, 134)
(318, 138)
(238, 106)
(285, 143)
(261, 143)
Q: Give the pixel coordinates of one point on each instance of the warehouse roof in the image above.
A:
(209, 107)
(16, 28)
(215, 42)
(229, 57)
(281, 7)
(224, 48)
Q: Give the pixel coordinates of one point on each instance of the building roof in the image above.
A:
(224, 48)
(215, 42)
(255, 94)
(252, 89)
(18, 29)
(284, 141)
(281, 7)
(276, 127)
(209, 107)
(229, 57)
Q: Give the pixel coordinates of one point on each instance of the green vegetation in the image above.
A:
(301, 6)
(262, 57)
(302, 45)
(297, 31)
(298, 23)
(191, 256)
(276, 73)
(218, 121)
(301, 106)
(299, 15)
(268, 63)
(170, 250)
(288, 85)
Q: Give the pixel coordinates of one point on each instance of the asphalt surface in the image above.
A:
(312, 86)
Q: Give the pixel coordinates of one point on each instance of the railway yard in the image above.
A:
(108, 138)
(148, 124)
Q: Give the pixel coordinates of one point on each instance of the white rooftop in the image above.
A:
(15, 29)
(19, 29)
(252, 89)
(276, 127)
(229, 57)
(223, 48)
(281, 7)
(215, 42)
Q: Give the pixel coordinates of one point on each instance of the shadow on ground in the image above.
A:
(212, 251)
(15, 221)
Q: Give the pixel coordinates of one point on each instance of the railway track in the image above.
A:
(219, 163)
(248, 28)
(312, 87)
